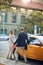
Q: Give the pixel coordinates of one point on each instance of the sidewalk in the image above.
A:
(5, 61)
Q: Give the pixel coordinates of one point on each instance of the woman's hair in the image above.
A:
(11, 32)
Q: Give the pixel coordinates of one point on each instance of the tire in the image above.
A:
(19, 57)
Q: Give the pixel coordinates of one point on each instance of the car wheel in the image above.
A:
(19, 57)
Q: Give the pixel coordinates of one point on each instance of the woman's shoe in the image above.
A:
(7, 58)
(11, 58)
(16, 61)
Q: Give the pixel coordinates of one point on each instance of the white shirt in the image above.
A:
(11, 39)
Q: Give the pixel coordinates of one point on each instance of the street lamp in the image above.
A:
(3, 19)
(0, 18)
(35, 29)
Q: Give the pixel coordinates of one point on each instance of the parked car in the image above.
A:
(4, 37)
(34, 49)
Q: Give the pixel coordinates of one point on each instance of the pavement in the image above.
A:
(3, 53)
(4, 61)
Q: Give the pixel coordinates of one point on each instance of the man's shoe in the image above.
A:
(26, 62)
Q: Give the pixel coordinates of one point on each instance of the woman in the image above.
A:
(11, 41)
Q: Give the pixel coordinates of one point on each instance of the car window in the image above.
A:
(34, 41)
(4, 39)
(3, 35)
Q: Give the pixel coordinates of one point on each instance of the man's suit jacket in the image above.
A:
(22, 40)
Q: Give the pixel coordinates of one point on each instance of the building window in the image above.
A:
(4, 17)
(5, 31)
(22, 19)
(13, 18)
(1, 31)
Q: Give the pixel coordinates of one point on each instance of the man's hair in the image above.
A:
(22, 29)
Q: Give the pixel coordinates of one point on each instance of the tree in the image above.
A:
(35, 18)
(5, 5)
(9, 1)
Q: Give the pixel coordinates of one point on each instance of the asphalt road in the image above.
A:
(3, 48)
(4, 51)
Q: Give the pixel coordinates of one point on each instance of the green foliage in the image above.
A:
(35, 18)
(9, 1)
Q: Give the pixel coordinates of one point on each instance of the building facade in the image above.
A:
(13, 20)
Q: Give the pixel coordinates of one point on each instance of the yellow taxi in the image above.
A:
(34, 49)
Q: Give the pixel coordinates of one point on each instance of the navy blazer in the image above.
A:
(22, 40)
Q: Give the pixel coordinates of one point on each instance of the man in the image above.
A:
(21, 42)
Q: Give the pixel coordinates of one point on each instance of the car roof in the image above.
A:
(3, 35)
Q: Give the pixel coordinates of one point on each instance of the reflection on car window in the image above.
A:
(34, 41)
(3, 39)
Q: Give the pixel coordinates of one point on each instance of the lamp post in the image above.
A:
(35, 29)
(3, 19)
(0, 18)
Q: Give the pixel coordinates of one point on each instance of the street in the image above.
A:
(4, 52)
(3, 48)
